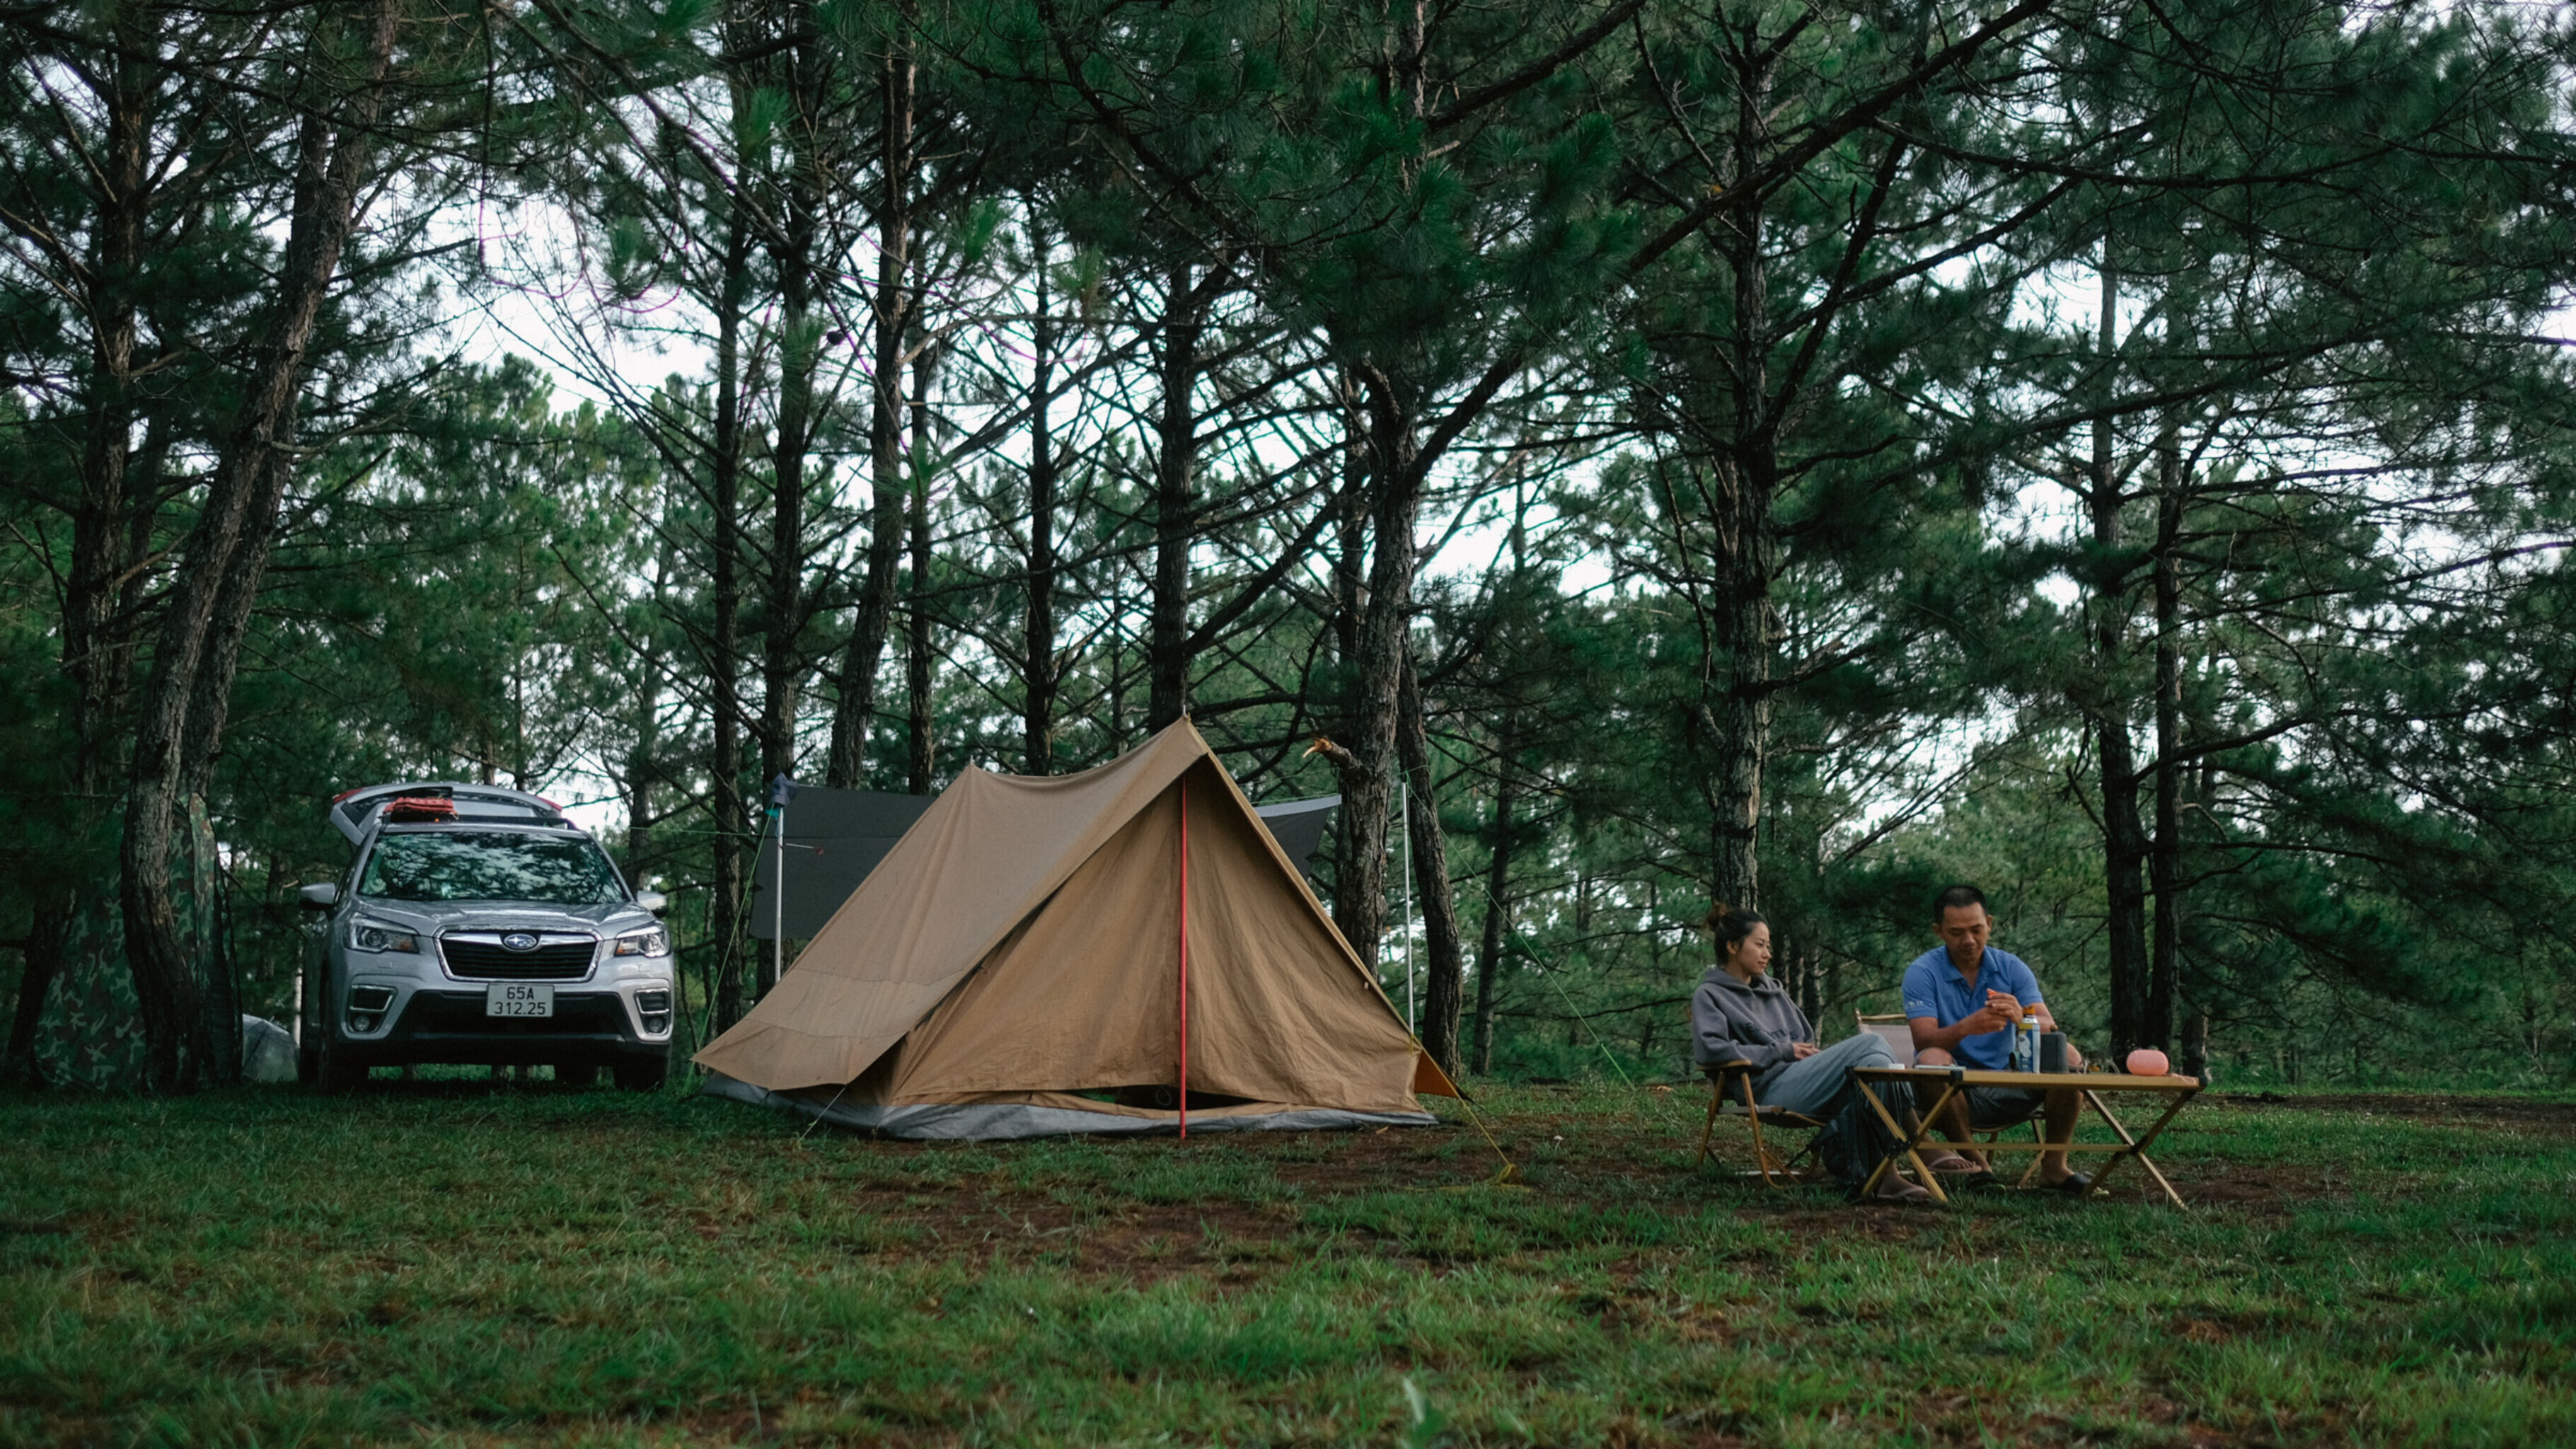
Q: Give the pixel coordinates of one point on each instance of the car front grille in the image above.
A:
(482, 957)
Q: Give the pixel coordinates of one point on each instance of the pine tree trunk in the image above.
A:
(210, 699)
(1037, 643)
(1350, 563)
(1445, 983)
(641, 766)
(1389, 406)
(2124, 836)
(724, 646)
(1176, 449)
(97, 648)
(920, 716)
(644, 757)
(225, 555)
(1350, 532)
(1498, 873)
(209, 704)
(918, 720)
(1498, 877)
(1737, 709)
(41, 964)
(800, 342)
(1348, 596)
(854, 713)
(2165, 866)
(1736, 697)
(2124, 858)
(1368, 783)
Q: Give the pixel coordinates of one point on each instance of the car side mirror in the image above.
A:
(319, 897)
(653, 901)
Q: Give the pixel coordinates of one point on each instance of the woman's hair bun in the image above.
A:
(1731, 925)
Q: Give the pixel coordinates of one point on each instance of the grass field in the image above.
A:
(460, 1263)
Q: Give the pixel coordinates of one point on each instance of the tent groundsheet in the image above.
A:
(1003, 1121)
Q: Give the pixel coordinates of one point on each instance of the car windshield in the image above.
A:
(498, 865)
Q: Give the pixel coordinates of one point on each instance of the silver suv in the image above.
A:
(478, 925)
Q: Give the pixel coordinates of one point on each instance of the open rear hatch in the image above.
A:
(441, 802)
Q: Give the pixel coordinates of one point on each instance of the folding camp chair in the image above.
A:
(1891, 1029)
(1736, 1079)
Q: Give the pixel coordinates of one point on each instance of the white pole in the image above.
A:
(1404, 822)
(778, 905)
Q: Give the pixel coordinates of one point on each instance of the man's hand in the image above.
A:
(1988, 1017)
(1799, 1051)
(2001, 1012)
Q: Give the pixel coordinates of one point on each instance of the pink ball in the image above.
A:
(2148, 1062)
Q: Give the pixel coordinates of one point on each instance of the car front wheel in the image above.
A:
(333, 1072)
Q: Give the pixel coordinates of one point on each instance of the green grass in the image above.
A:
(456, 1264)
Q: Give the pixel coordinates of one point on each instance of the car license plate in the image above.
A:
(519, 998)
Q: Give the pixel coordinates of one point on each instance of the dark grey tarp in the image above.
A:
(835, 837)
(1300, 827)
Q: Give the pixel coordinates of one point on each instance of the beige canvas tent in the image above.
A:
(1040, 956)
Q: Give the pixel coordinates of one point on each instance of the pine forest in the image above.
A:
(1640, 454)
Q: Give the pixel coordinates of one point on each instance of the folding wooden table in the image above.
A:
(2092, 1087)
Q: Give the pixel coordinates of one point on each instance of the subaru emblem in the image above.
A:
(518, 941)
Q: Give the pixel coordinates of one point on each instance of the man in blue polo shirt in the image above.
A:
(1962, 999)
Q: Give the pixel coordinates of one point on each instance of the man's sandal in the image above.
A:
(1894, 1188)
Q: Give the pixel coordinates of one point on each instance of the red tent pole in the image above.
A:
(1185, 958)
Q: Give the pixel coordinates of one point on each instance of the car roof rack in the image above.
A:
(355, 812)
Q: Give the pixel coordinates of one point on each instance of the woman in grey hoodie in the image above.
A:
(1741, 1013)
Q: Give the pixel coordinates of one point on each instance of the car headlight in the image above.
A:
(651, 941)
(377, 936)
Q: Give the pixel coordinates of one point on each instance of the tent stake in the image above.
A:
(1185, 958)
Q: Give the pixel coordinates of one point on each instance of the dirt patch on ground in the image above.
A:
(1246, 1233)
(1234, 1238)
(1145, 1243)
(1817, 1210)
(2420, 1106)
(2249, 1189)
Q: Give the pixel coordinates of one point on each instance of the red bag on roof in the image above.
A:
(419, 810)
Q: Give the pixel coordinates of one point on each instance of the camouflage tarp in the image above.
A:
(92, 1033)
